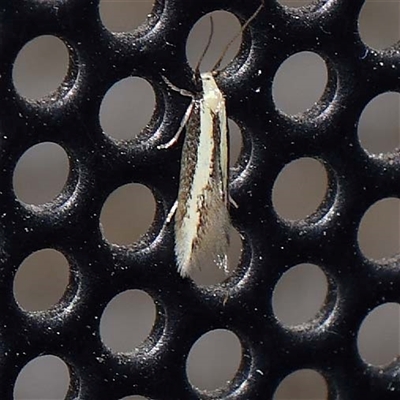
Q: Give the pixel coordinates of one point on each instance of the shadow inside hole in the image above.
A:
(379, 230)
(378, 337)
(127, 321)
(378, 24)
(127, 214)
(41, 280)
(45, 377)
(210, 274)
(226, 26)
(124, 16)
(41, 173)
(300, 294)
(235, 142)
(295, 3)
(127, 108)
(305, 384)
(299, 82)
(40, 67)
(300, 188)
(378, 127)
(214, 360)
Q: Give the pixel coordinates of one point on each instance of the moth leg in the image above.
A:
(222, 263)
(225, 265)
(180, 129)
(171, 213)
(226, 298)
(183, 92)
(233, 202)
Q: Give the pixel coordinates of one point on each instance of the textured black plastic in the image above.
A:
(99, 165)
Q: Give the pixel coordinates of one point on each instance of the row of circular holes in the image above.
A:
(297, 298)
(53, 51)
(215, 357)
(378, 22)
(130, 102)
(380, 116)
(298, 191)
(128, 105)
(47, 377)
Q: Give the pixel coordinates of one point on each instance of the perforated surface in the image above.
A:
(242, 304)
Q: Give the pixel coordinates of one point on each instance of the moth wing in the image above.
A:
(214, 232)
(211, 241)
(202, 221)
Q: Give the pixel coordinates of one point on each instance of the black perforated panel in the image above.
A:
(99, 270)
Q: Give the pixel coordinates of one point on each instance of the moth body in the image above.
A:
(201, 213)
(202, 219)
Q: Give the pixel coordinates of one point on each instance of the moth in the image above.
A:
(201, 211)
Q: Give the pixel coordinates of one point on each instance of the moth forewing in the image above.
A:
(202, 219)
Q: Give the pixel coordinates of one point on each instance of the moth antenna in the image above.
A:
(210, 36)
(243, 28)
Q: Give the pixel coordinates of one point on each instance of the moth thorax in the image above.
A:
(211, 93)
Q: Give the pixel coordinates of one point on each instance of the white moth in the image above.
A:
(201, 213)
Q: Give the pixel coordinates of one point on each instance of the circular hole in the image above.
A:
(210, 274)
(378, 128)
(378, 337)
(235, 142)
(127, 321)
(127, 214)
(214, 360)
(40, 67)
(127, 108)
(45, 377)
(378, 23)
(226, 26)
(134, 398)
(378, 234)
(299, 82)
(303, 384)
(300, 188)
(41, 173)
(41, 280)
(299, 295)
(124, 16)
(296, 3)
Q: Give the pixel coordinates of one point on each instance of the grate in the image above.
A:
(99, 165)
